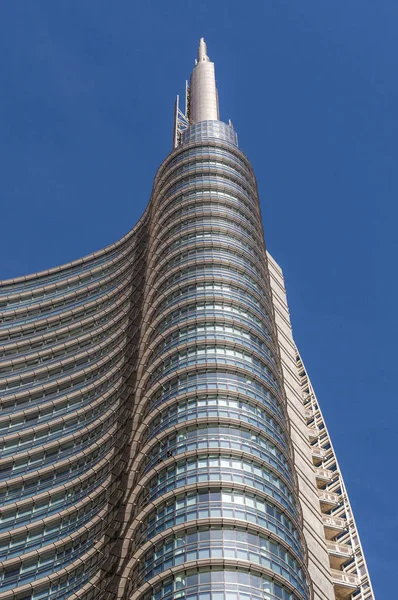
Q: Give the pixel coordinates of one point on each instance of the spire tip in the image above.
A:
(202, 51)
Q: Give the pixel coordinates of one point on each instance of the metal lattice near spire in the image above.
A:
(201, 96)
(181, 119)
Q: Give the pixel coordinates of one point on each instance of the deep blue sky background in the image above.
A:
(87, 91)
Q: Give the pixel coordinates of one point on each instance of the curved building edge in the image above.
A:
(151, 442)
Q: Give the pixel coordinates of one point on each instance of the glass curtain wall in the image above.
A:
(215, 513)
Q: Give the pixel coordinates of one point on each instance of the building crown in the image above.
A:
(201, 96)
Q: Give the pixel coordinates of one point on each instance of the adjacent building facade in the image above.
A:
(160, 435)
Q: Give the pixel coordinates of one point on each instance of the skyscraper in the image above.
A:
(160, 436)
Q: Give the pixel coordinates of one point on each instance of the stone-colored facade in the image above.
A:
(336, 561)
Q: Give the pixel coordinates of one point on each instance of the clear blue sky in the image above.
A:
(87, 90)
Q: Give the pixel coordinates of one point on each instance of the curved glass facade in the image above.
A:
(146, 450)
(67, 339)
(213, 472)
(143, 418)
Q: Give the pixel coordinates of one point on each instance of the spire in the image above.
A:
(202, 51)
(203, 90)
(201, 96)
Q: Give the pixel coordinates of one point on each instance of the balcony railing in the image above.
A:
(342, 578)
(323, 474)
(328, 497)
(334, 522)
(339, 548)
(318, 452)
(313, 432)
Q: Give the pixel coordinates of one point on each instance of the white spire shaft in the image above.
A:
(203, 91)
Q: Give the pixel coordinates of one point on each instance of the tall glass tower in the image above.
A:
(160, 436)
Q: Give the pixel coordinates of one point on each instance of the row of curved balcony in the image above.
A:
(211, 455)
(144, 427)
(63, 373)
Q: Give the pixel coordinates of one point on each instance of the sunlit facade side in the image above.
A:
(214, 482)
(154, 443)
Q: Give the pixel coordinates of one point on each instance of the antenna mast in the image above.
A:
(181, 120)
